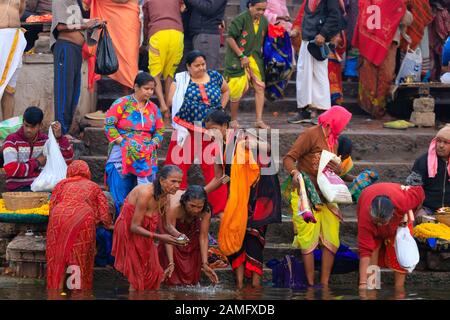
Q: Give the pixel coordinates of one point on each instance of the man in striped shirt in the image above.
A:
(23, 150)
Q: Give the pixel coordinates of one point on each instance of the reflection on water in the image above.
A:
(118, 291)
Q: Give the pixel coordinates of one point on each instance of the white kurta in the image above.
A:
(12, 45)
(313, 85)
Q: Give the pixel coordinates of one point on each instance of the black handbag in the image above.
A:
(106, 62)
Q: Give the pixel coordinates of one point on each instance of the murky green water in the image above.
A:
(119, 291)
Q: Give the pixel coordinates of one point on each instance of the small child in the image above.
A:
(345, 152)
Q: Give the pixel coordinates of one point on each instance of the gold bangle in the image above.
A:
(171, 264)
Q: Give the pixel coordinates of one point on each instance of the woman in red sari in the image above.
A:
(381, 210)
(378, 48)
(136, 255)
(76, 206)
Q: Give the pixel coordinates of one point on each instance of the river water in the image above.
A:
(118, 290)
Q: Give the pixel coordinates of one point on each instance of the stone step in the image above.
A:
(388, 171)
(370, 143)
(106, 277)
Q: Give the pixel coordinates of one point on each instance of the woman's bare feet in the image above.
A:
(234, 124)
(260, 124)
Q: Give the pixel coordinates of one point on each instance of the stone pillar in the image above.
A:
(35, 86)
(423, 114)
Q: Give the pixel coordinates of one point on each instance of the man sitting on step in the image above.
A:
(432, 171)
(23, 150)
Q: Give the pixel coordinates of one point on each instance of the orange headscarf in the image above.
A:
(79, 168)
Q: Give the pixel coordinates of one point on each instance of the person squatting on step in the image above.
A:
(306, 151)
(432, 172)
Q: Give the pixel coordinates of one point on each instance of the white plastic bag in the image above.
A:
(406, 249)
(411, 66)
(55, 168)
(332, 186)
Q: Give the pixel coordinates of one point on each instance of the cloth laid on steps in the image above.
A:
(288, 272)
(362, 181)
(345, 261)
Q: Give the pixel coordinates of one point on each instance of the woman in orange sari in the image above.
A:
(76, 206)
(124, 27)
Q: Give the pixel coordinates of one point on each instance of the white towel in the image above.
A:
(182, 80)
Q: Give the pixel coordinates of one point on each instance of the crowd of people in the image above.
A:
(154, 204)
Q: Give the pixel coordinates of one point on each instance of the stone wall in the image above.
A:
(35, 87)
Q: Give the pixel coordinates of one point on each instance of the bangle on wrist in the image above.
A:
(241, 56)
(171, 264)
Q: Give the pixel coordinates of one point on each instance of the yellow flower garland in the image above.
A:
(432, 230)
(42, 210)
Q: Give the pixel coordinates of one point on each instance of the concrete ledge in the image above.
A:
(38, 58)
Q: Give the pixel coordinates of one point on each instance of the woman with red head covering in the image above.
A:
(77, 205)
(323, 222)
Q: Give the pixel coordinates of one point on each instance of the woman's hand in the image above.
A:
(295, 182)
(169, 270)
(169, 239)
(119, 140)
(294, 33)
(210, 273)
(335, 167)
(245, 62)
(320, 40)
